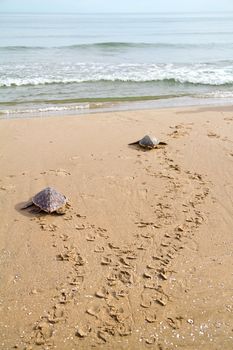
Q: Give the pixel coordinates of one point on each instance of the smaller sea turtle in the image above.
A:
(48, 200)
(148, 142)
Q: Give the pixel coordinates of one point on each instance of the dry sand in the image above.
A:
(143, 257)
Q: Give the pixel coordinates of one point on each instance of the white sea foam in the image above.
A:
(219, 94)
(205, 74)
(46, 109)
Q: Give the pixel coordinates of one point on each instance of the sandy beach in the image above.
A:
(143, 257)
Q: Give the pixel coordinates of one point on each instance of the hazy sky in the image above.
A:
(114, 5)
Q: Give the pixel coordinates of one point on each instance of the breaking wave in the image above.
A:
(121, 45)
(197, 74)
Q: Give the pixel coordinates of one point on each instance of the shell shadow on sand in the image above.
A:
(28, 213)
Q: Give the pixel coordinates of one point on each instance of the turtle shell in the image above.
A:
(149, 141)
(49, 200)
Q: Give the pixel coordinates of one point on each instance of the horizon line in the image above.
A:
(106, 12)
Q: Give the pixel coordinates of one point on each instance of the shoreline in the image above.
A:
(102, 105)
(143, 255)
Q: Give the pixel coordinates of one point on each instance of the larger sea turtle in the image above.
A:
(148, 142)
(48, 200)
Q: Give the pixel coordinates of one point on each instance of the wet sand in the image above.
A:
(143, 256)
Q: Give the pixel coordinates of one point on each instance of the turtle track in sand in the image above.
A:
(135, 275)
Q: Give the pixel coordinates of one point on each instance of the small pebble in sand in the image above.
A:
(190, 321)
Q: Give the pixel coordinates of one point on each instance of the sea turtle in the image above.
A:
(148, 142)
(48, 200)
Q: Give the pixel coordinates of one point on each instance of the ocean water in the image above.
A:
(72, 62)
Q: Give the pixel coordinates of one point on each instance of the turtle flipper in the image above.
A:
(134, 143)
(27, 205)
(61, 211)
(163, 143)
(35, 210)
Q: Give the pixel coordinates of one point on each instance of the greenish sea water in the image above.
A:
(77, 62)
